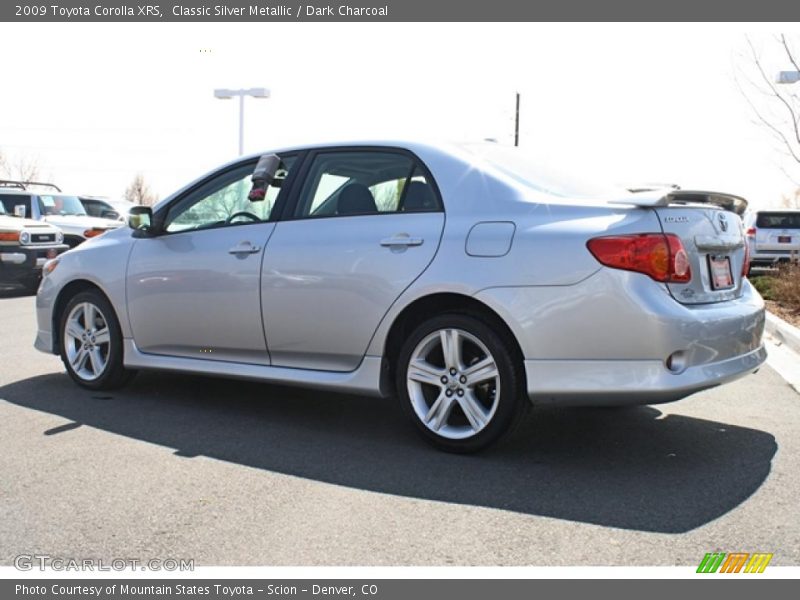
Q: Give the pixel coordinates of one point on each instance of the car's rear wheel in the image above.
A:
(459, 382)
(91, 342)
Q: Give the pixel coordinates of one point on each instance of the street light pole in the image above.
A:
(241, 124)
(225, 94)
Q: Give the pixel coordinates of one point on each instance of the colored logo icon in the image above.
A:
(734, 562)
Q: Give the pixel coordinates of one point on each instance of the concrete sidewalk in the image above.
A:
(783, 347)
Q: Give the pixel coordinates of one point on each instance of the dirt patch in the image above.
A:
(786, 313)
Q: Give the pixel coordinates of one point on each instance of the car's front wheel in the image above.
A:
(459, 382)
(91, 342)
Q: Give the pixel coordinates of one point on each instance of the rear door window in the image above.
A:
(350, 183)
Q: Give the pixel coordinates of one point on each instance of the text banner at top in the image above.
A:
(400, 10)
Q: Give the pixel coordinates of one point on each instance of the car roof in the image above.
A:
(19, 192)
(417, 146)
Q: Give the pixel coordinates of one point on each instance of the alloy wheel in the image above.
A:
(453, 383)
(87, 341)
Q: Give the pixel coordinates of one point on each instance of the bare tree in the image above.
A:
(775, 107)
(139, 192)
(792, 201)
(23, 168)
(27, 169)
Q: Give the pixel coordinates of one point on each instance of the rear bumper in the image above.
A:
(629, 382)
(621, 338)
(770, 258)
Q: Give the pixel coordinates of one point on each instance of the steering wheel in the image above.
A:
(243, 213)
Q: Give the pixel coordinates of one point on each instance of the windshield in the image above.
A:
(59, 204)
(541, 175)
(17, 205)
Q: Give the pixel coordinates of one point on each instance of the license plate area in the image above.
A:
(719, 268)
(784, 239)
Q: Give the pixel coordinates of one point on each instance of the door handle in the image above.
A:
(401, 239)
(244, 248)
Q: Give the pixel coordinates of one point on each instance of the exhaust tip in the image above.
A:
(676, 362)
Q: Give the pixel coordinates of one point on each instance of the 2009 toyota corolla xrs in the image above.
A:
(465, 280)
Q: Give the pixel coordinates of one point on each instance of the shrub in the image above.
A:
(764, 283)
(785, 287)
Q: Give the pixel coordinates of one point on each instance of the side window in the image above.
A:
(364, 182)
(93, 209)
(224, 202)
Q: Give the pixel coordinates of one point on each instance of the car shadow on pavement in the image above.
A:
(626, 468)
(14, 291)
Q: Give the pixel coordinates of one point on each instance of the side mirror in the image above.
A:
(264, 176)
(140, 219)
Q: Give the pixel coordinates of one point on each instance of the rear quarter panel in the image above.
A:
(548, 246)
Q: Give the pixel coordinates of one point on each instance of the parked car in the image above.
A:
(65, 211)
(466, 280)
(104, 208)
(773, 236)
(25, 245)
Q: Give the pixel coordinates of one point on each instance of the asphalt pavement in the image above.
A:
(237, 473)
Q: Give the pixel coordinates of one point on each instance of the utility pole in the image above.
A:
(516, 123)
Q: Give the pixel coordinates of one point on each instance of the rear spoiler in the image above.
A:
(653, 198)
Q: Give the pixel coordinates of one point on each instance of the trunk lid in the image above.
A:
(709, 225)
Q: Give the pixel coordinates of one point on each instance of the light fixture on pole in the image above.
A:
(226, 94)
(787, 77)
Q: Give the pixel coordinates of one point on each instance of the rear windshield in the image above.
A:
(540, 174)
(778, 220)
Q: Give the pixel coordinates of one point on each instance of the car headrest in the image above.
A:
(419, 196)
(355, 199)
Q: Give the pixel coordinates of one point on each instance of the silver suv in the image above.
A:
(773, 236)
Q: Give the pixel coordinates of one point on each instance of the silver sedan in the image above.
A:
(468, 281)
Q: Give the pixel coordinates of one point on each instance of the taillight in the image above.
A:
(751, 232)
(661, 256)
(746, 264)
(93, 232)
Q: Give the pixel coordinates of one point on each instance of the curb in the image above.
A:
(784, 332)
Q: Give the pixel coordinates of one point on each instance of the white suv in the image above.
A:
(773, 236)
(65, 211)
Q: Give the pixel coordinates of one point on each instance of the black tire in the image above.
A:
(113, 374)
(511, 403)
